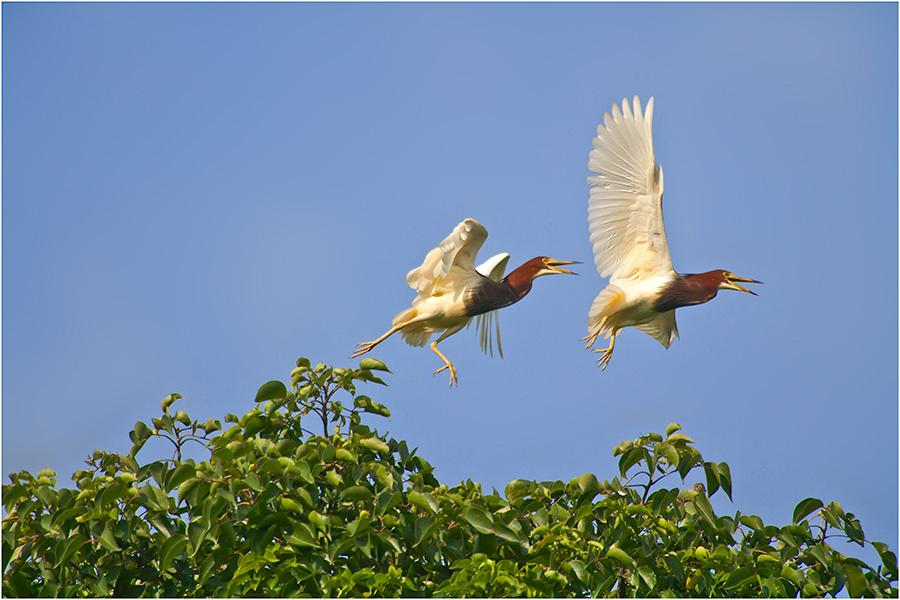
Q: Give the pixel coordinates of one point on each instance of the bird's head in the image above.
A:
(726, 281)
(542, 265)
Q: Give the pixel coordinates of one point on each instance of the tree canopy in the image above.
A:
(299, 498)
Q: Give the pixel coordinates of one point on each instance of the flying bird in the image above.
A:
(450, 291)
(629, 240)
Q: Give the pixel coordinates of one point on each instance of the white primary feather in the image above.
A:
(441, 282)
(457, 250)
(625, 207)
(626, 224)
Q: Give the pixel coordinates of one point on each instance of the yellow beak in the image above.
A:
(732, 278)
(553, 265)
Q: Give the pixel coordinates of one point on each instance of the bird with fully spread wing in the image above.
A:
(451, 291)
(629, 239)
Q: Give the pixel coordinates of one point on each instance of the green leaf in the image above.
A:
(170, 549)
(425, 529)
(705, 509)
(630, 458)
(272, 390)
(753, 522)
(375, 445)
(857, 585)
(648, 576)
(580, 571)
(791, 575)
(346, 455)
(478, 518)
(424, 501)
(170, 399)
(672, 428)
(140, 434)
(588, 485)
(804, 507)
(724, 479)
(179, 475)
(108, 539)
(357, 493)
(620, 555)
(712, 477)
(67, 548)
(739, 576)
(667, 451)
(676, 438)
(302, 536)
(372, 364)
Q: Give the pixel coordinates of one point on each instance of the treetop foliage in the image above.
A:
(299, 498)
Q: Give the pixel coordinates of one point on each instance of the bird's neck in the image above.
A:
(520, 281)
(685, 290)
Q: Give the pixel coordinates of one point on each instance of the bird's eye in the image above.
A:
(727, 274)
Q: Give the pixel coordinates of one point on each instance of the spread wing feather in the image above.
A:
(625, 207)
(457, 250)
(493, 268)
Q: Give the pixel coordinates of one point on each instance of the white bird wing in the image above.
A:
(625, 208)
(493, 268)
(458, 250)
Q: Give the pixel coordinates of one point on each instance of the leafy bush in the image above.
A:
(278, 510)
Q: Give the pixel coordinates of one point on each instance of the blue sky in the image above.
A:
(195, 195)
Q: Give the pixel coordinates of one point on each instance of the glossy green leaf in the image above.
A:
(179, 474)
(580, 570)
(357, 493)
(630, 458)
(678, 438)
(667, 451)
(141, 433)
(425, 501)
(712, 477)
(272, 390)
(375, 445)
(479, 519)
(805, 507)
(108, 539)
(620, 555)
(588, 485)
(67, 548)
(856, 581)
(672, 428)
(648, 576)
(372, 364)
(724, 479)
(170, 549)
(169, 400)
(752, 521)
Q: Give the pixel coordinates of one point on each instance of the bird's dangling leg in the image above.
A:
(590, 339)
(365, 347)
(447, 364)
(607, 353)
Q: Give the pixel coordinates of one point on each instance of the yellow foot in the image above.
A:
(590, 339)
(453, 378)
(363, 348)
(604, 359)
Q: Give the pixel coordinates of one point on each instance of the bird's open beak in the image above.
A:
(732, 278)
(553, 265)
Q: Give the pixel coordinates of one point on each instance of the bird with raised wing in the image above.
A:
(450, 291)
(629, 240)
